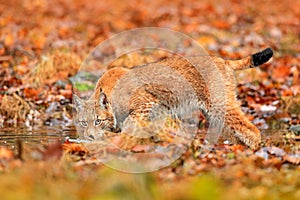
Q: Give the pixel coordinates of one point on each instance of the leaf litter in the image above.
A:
(42, 45)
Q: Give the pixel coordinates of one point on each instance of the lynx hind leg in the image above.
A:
(240, 129)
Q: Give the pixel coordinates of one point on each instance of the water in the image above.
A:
(32, 142)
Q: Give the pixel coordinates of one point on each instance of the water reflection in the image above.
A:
(33, 141)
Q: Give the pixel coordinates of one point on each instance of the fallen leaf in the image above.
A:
(53, 151)
(292, 158)
(6, 154)
(9, 40)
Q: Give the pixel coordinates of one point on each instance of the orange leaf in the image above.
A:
(39, 41)
(221, 24)
(31, 92)
(206, 40)
(281, 72)
(53, 151)
(6, 154)
(9, 40)
(73, 148)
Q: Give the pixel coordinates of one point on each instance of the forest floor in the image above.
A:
(43, 43)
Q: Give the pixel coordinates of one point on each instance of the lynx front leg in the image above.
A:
(141, 106)
(137, 123)
(147, 105)
(239, 128)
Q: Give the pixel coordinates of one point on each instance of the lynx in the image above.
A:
(99, 114)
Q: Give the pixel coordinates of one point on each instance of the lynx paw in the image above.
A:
(249, 138)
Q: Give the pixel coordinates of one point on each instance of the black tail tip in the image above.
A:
(262, 57)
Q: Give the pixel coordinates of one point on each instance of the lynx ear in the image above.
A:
(103, 102)
(78, 102)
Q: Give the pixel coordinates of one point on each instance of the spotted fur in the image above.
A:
(150, 97)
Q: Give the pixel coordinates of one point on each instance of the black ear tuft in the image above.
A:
(78, 102)
(103, 100)
(262, 57)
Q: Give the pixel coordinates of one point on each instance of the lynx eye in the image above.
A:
(84, 123)
(98, 122)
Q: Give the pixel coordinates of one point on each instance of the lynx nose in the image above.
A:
(91, 137)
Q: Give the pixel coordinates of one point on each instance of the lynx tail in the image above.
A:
(251, 61)
(262, 57)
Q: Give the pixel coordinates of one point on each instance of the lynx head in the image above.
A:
(94, 117)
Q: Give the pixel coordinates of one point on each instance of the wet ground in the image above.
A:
(34, 141)
(31, 143)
